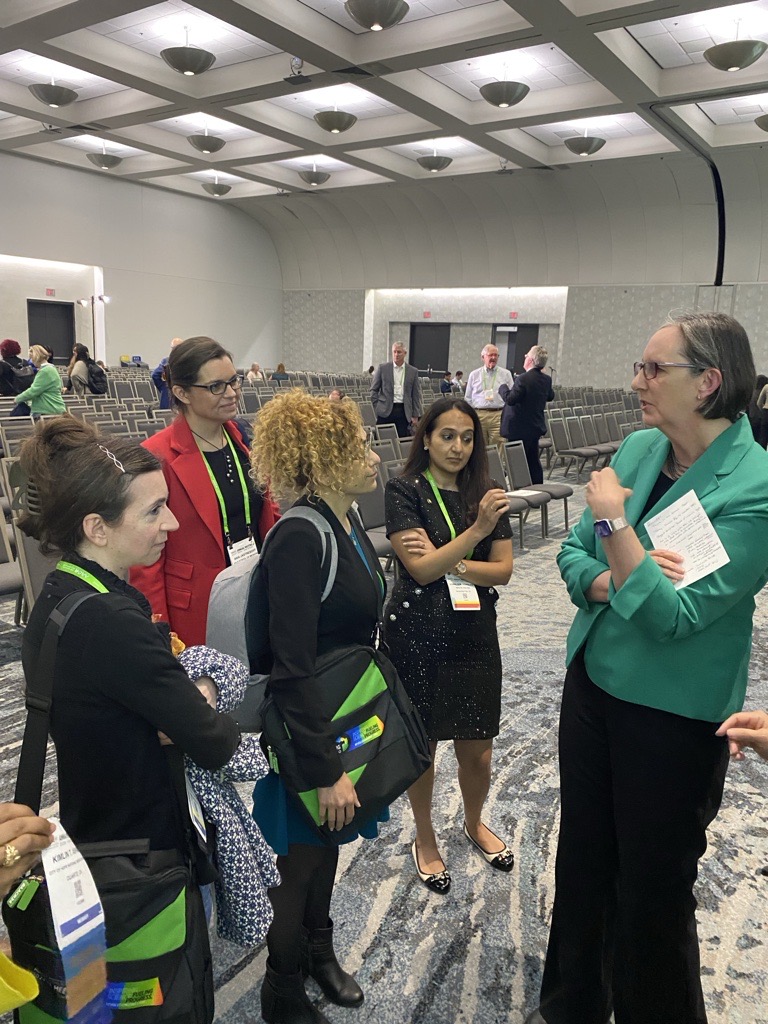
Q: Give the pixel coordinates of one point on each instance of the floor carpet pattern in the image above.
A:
(475, 956)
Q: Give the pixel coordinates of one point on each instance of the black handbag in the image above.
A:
(380, 737)
(143, 892)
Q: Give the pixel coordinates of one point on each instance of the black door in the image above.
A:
(429, 346)
(52, 324)
(520, 341)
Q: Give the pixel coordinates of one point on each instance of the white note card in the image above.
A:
(684, 527)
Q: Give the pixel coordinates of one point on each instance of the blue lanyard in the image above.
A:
(358, 547)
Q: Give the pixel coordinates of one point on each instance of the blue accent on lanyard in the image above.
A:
(358, 547)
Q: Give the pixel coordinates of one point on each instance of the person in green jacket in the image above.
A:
(44, 393)
(654, 666)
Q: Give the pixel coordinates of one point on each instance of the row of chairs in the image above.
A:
(577, 440)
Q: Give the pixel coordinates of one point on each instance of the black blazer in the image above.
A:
(523, 412)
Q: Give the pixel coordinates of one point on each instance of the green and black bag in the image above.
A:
(149, 917)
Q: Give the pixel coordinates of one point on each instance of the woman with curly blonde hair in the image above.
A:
(316, 451)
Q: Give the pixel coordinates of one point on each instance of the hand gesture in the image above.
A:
(670, 563)
(493, 505)
(746, 729)
(337, 803)
(23, 834)
(605, 495)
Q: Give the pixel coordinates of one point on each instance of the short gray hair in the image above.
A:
(539, 355)
(716, 340)
(485, 348)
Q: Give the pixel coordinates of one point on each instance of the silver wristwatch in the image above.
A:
(605, 527)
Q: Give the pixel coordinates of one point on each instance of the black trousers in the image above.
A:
(531, 449)
(639, 788)
(398, 417)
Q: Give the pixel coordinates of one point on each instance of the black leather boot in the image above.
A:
(319, 962)
(284, 1000)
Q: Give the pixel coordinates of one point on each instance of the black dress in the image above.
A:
(449, 661)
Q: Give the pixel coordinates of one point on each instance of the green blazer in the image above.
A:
(685, 651)
(44, 393)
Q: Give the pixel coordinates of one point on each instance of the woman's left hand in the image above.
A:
(605, 495)
(416, 542)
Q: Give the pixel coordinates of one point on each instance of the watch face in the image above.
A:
(603, 528)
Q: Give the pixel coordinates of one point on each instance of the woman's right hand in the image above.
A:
(493, 505)
(337, 803)
(21, 828)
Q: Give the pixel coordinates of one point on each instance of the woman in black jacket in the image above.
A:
(124, 712)
(318, 451)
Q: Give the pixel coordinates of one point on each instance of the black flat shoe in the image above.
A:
(440, 882)
(504, 860)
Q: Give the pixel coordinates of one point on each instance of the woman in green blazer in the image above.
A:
(652, 672)
(44, 393)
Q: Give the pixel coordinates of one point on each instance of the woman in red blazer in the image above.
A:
(222, 517)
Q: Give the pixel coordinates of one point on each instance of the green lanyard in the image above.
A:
(489, 382)
(439, 499)
(84, 575)
(220, 496)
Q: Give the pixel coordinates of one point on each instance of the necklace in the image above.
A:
(228, 463)
(676, 468)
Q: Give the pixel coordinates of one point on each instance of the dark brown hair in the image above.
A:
(69, 477)
(474, 480)
(187, 359)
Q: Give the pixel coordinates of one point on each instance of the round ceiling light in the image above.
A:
(53, 95)
(434, 163)
(335, 121)
(376, 15)
(762, 122)
(584, 145)
(105, 161)
(188, 60)
(736, 55)
(213, 188)
(504, 94)
(206, 143)
(314, 177)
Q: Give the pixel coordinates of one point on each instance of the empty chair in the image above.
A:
(563, 450)
(591, 438)
(601, 430)
(388, 432)
(405, 446)
(385, 450)
(251, 401)
(533, 499)
(391, 469)
(518, 505)
(31, 566)
(371, 509)
(520, 477)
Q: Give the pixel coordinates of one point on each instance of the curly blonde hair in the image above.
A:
(302, 443)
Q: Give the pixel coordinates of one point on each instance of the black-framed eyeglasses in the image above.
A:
(218, 387)
(650, 368)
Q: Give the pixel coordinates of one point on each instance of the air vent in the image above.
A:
(356, 72)
(611, 19)
(87, 129)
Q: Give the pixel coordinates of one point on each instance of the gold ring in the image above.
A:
(11, 856)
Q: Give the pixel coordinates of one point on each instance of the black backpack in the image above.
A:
(97, 379)
(23, 376)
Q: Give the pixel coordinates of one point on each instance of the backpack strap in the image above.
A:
(330, 558)
(38, 694)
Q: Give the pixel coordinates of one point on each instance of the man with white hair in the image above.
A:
(396, 393)
(523, 415)
(483, 393)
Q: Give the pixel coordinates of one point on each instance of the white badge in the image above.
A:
(464, 596)
(75, 905)
(243, 551)
(490, 394)
(195, 811)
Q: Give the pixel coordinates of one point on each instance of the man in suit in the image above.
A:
(396, 393)
(483, 393)
(522, 418)
(159, 378)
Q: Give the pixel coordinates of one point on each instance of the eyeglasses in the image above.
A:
(650, 368)
(369, 435)
(218, 387)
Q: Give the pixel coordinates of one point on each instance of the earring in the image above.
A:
(426, 448)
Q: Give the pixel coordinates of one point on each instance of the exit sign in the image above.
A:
(513, 316)
(50, 291)
(426, 315)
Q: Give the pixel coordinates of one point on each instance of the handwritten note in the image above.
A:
(684, 527)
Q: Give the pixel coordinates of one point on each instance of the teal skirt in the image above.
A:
(282, 824)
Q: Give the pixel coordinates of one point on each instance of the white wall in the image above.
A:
(173, 265)
(324, 331)
(28, 279)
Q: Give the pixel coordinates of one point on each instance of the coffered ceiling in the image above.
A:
(629, 71)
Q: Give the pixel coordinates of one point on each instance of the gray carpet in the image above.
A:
(475, 956)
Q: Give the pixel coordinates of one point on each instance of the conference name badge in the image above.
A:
(490, 394)
(243, 551)
(464, 596)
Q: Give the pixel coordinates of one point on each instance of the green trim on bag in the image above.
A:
(31, 1014)
(370, 684)
(165, 932)
(310, 799)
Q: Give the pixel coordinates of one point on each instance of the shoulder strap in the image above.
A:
(330, 559)
(39, 690)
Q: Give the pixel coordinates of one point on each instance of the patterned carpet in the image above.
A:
(475, 956)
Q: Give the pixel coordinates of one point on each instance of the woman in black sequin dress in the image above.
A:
(448, 524)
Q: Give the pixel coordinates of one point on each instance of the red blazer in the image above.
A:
(178, 585)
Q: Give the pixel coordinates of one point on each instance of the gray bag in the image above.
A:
(238, 616)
